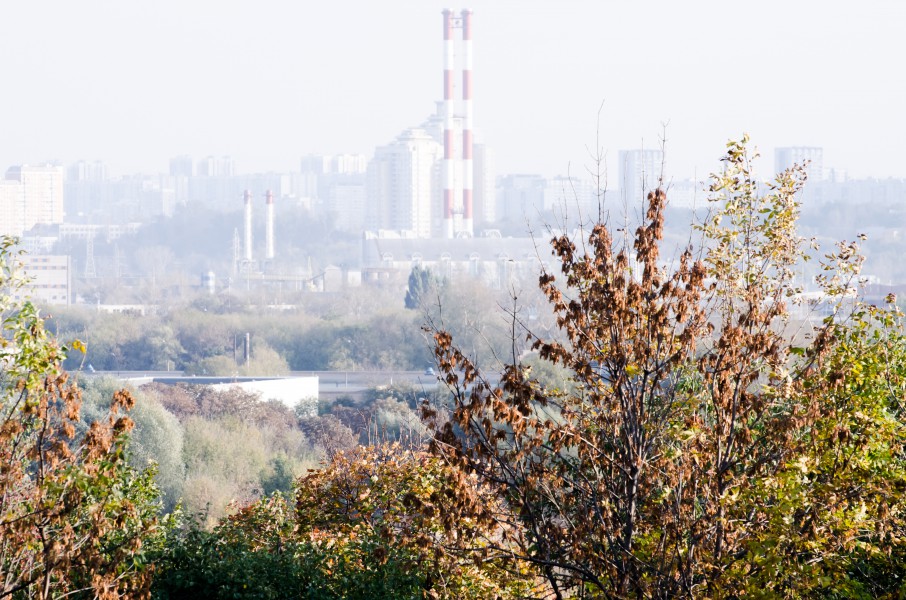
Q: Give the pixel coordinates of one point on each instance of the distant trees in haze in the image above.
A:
(368, 330)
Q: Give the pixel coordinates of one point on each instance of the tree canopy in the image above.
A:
(708, 444)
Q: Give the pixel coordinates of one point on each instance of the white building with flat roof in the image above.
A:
(49, 279)
(291, 391)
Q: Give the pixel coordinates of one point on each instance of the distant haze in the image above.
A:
(134, 83)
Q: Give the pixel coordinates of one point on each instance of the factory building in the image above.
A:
(387, 258)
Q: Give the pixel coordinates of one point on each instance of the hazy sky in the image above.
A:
(133, 82)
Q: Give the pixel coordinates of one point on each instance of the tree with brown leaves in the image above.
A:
(699, 450)
(74, 517)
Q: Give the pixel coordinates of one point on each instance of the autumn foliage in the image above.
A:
(74, 517)
(707, 444)
(378, 522)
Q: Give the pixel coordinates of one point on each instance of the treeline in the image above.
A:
(199, 341)
(360, 329)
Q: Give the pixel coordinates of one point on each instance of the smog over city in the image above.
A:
(296, 232)
(153, 109)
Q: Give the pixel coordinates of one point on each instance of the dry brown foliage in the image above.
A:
(656, 475)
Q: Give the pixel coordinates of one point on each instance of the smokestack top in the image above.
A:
(247, 196)
(466, 24)
(270, 197)
(448, 23)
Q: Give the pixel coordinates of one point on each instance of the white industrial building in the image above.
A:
(388, 257)
(290, 391)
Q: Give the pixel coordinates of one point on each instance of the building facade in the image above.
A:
(49, 279)
(810, 157)
(403, 190)
(31, 195)
(640, 172)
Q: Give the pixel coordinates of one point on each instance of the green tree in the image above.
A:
(156, 439)
(422, 284)
(225, 459)
(250, 555)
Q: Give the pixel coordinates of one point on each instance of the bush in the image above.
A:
(371, 525)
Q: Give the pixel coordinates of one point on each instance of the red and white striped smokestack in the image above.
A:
(269, 227)
(448, 164)
(467, 165)
(248, 225)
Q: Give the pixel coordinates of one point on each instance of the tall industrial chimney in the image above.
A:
(467, 165)
(463, 164)
(448, 164)
(248, 225)
(269, 227)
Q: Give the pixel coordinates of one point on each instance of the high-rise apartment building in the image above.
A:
(182, 166)
(571, 196)
(38, 199)
(336, 183)
(12, 207)
(640, 172)
(84, 170)
(403, 190)
(485, 184)
(348, 164)
(86, 190)
(811, 157)
(216, 166)
(519, 197)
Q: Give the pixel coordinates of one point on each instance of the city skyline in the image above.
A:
(136, 86)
